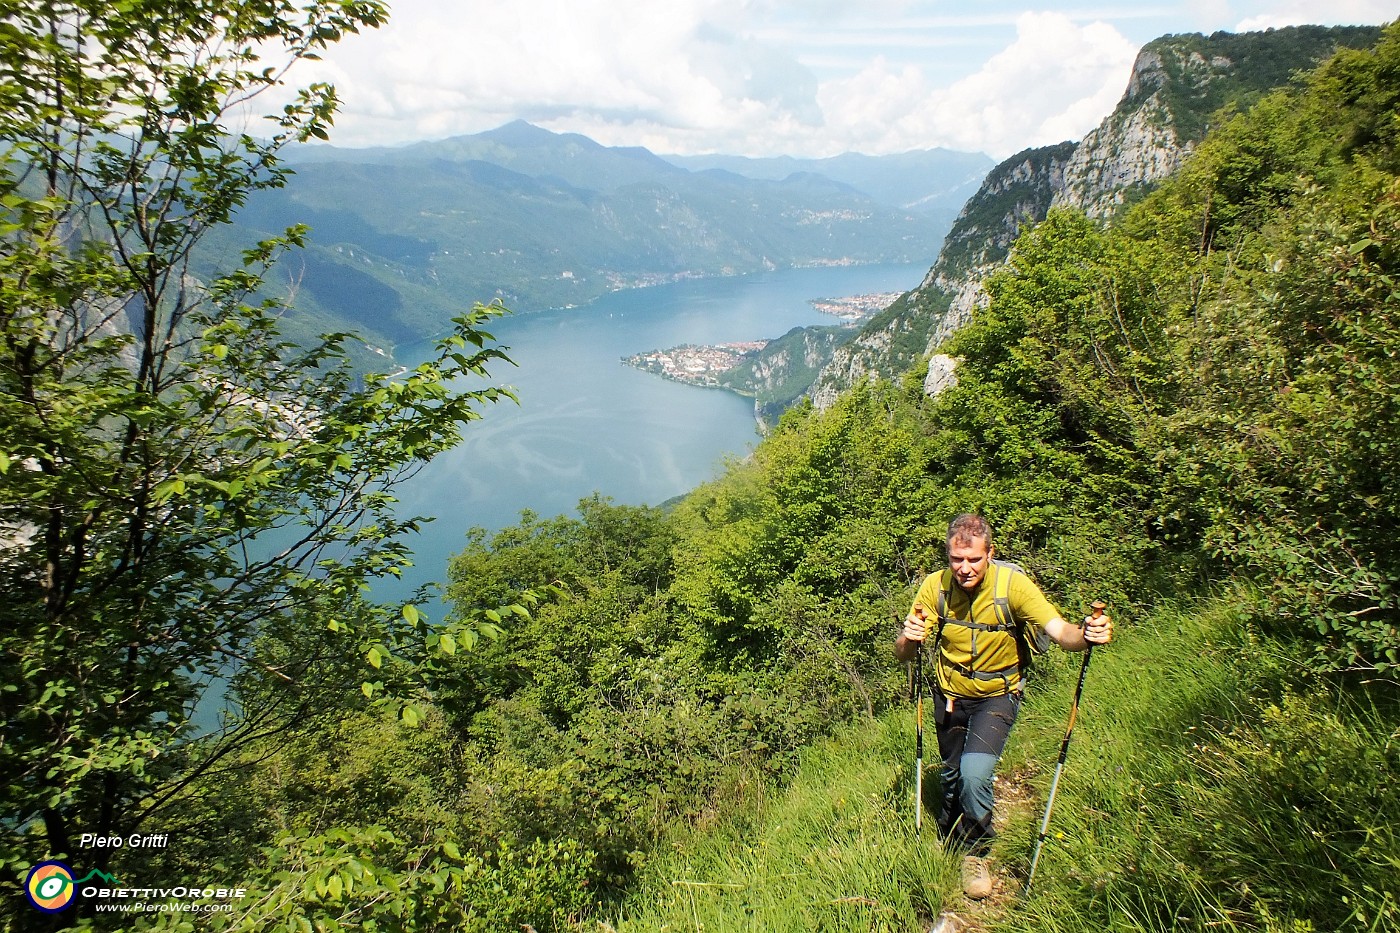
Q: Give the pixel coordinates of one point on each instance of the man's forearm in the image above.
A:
(1068, 637)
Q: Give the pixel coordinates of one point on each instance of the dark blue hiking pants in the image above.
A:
(971, 737)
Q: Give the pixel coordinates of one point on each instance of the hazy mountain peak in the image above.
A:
(522, 133)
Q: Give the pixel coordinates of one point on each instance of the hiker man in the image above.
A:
(983, 631)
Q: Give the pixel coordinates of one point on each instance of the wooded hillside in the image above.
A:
(1192, 413)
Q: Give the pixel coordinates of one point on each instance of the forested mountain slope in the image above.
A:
(1198, 399)
(401, 237)
(1177, 86)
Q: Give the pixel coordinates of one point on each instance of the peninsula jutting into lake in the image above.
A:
(703, 364)
(854, 309)
(695, 364)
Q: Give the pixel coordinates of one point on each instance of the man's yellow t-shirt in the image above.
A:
(963, 648)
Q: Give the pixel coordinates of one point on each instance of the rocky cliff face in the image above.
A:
(1017, 192)
(776, 376)
(1150, 132)
(1177, 84)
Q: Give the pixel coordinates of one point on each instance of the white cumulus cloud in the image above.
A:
(765, 77)
(708, 75)
(438, 70)
(1056, 81)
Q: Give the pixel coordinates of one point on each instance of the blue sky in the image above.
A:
(763, 77)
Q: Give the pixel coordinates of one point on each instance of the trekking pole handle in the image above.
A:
(1096, 610)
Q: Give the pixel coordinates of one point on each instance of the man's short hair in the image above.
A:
(966, 527)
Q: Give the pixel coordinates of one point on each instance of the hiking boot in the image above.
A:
(976, 877)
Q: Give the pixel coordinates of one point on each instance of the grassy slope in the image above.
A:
(834, 850)
(1202, 792)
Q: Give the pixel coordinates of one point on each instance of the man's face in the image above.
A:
(968, 558)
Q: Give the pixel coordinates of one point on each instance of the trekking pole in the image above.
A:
(919, 734)
(1097, 608)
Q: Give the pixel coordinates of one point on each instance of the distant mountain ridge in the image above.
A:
(521, 147)
(403, 237)
(934, 181)
(1177, 84)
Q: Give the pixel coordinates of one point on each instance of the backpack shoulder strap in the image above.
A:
(1003, 572)
(945, 586)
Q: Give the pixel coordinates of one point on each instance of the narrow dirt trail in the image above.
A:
(1015, 799)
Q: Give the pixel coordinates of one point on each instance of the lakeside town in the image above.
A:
(695, 364)
(855, 309)
(702, 364)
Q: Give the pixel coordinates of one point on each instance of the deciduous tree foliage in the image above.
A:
(189, 506)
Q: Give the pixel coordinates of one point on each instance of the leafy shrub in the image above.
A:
(352, 878)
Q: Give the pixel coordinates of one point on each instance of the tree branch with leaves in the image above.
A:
(190, 505)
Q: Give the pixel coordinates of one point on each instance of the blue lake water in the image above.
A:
(587, 422)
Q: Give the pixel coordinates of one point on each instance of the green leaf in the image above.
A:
(410, 613)
(375, 659)
(447, 644)
(410, 716)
